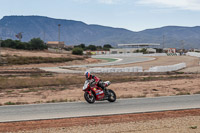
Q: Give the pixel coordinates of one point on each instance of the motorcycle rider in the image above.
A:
(95, 80)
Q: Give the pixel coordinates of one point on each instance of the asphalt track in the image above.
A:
(82, 109)
(121, 60)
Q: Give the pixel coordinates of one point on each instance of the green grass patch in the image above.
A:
(193, 127)
(198, 92)
(29, 90)
(183, 93)
(140, 96)
(53, 89)
(107, 59)
(61, 100)
(15, 103)
(176, 89)
(9, 103)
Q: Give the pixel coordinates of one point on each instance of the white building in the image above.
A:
(133, 48)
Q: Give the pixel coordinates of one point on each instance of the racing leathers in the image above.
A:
(95, 80)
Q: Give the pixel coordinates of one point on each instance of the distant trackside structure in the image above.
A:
(132, 48)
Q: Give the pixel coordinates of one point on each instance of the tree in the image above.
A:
(20, 45)
(159, 50)
(92, 47)
(107, 47)
(37, 44)
(144, 50)
(77, 51)
(81, 46)
(9, 43)
(99, 47)
(137, 51)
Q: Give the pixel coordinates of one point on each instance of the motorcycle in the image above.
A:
(94, 93)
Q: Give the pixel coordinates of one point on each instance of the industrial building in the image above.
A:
(55, 44)
(133, 48)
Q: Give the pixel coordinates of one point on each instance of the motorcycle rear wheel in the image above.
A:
(112, 96)
(88, 98)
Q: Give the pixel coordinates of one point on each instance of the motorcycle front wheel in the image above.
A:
(112, 96)
(89, 98)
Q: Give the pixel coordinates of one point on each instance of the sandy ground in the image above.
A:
(46, 53)
(27, 53)
(191, 62)
(165, 122)
(123, 90)
(75, 62)
(132, 89)
(183, 121)
(167, 60)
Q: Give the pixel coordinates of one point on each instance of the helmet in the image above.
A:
(87, 75)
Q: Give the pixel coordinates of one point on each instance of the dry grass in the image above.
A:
(67, 87)
(131, 96)
(20, 60)
(41, 80)
(28, 82)
(198, 92)
(183, 93)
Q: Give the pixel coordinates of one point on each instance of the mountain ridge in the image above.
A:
(75, 32)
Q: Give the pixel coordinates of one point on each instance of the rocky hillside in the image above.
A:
(76, 32)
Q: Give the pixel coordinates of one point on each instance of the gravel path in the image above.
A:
(183, 121)
(170, 125)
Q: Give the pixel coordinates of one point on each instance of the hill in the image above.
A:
(76, 32)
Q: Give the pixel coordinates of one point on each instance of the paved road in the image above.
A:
(120, 61)
(79, 109)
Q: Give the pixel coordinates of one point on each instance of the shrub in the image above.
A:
(33, 44)
(77, 51)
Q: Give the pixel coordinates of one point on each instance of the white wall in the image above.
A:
(193, 54)
(115, 70)
(130, 54)
(168, 68)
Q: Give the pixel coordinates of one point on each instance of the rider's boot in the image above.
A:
(105, 92)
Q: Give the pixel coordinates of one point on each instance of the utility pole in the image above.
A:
(182, 44)
(59, 34)
(44, 36)
(163, 42)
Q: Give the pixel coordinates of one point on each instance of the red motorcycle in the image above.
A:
(94, 93)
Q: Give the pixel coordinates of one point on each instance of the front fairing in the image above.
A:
(86, 84)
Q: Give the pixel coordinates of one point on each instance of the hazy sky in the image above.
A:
(134, 15)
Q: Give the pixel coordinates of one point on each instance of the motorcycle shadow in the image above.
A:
(101, 102)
